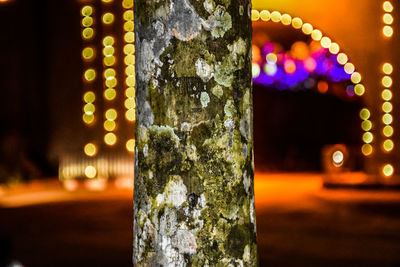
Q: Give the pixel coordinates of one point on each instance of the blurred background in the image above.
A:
(324, 126)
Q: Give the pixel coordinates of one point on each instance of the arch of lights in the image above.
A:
(341, 57)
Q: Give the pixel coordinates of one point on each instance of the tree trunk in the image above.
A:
(194, 198)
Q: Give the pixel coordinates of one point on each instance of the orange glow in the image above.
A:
(310, 64)
(290, 66)
(323, 87)
(256, 54)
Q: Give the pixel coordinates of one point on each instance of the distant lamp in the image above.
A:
(335, 158)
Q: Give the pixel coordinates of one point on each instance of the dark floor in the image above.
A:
(299, 230)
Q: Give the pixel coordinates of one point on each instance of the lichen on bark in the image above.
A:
(194, 197)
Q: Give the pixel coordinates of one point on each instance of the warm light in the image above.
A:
(90, 149)
(255, 15)
(130, 81)
(130, 145)
(387, 119)
(265, 15)
(359, 89)
(127, 3)
(270, 69)
(90, 172)
(111, 82)
(310, 64)
(111, 114)
(89, 97)
(108, 51)
(129, 49)
(367, 149)
(388, 131)
(130, 115)
(70, 184)
(107, 1)
(88, 118)
(87, 33)
(109, 61)
(255, 69)
(128, 15)
(110, 139)
(387, 6)
(387, 19)
(388, 170)
(355, 77)
(349, 68)
(387, 81)
(297, 23)
(387, 68)
(387, 95)
(326, 42)
(334, 48)
(365, 114)
(130, 103)
(338, 158)
(316, 35)
(387, 107)
(109, 125)
(108, 73)
(90, 75)
(323, 87)
(87, 21)
(89, 109)
(130, 92)
(388, 145)
(108, 18)
(88, 53)
(387, 31)
(129, 26)
(271, 58)
(108, 41)
(110, 94)
(276, 16)
(87, 11)
(366, 125)
(342, 58)
(286, 19)
(307, 28)
(290, 66)
(368, 137)
(130, 70)
(129, 60)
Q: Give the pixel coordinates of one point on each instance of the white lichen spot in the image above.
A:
(191, 152)
(209, 6)
(246, 182)
(203, 70)
(217, 91)
(246, 253)
(238, 48)
(185, 127)
(144, 60)
(204, 99)
(160, 199)
(202, 201)
(175, 191)
(145, 150)
(229, 108)
(185, 20)
(185, 242)
(159, 28)
(220, 22)
(245, 125)
(241, 10)
(229, 124)
(252, 213)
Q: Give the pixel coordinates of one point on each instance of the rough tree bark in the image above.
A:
(194, 198)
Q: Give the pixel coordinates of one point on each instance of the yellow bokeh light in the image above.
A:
(129, 49)
(265, 15)
(128, 15)
(276, 16)
(387, 119)
(90, 149)
(338, 158)
(307, 28)
(108, 41)
(109, 125)
(388, 131)
(88, 53)
(367, 149)
(387, 31)
(129, 26)
(255, 15)
(130, 92)
(130, 115)
(89, 97)
(387, 6)
(89, 109)
(87, 33)
(387, 68)
(108, 50)
(108, 18)
(111, 82)
(109, 61)
(387, 107)
(271, 58)
(87, 11)
(130, 103)
(368, 137)
(110, 94)
(326, 42)
(356, 77)
(349, 68)
(359, 89)
(130, 81)
(110, 139)
(130, 145)
(111, 114)
(316, 35)
(88, 118)
(107, 1)
(90, 172)
(387, 18)
(127, 3)
(342, 58)
(90, 75)
(388, 145)
(286, 19)
(87, 21)
(110, 72)
(130, 70)
(129, 60)
(388, 170)
(365, 114)
(129, 37)
(387, 81)
(334, 48)
(297, 23)
(387, 95)
(366, 125)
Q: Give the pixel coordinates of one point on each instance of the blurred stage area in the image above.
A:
(299, 224)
